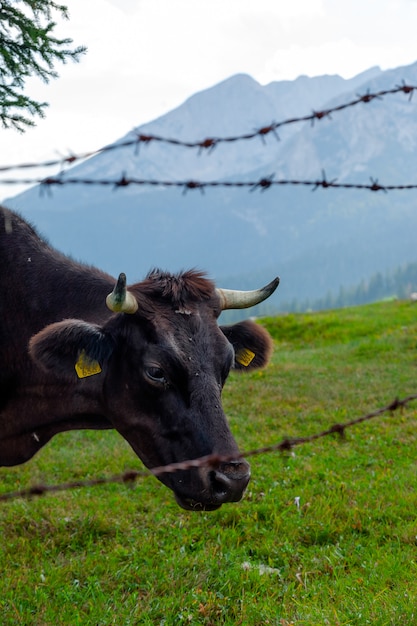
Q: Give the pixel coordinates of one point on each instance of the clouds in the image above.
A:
(345, 38)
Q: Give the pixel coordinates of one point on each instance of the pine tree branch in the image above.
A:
(28, 47)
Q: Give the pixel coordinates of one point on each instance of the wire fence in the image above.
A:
(208, 144)
(212, 460)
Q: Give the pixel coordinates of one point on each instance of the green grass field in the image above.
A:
(326, 534)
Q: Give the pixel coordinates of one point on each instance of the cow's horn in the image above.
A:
(230, 299)
(120, 300)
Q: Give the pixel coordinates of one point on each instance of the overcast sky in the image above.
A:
(147, 56)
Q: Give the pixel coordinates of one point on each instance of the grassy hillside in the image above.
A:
(325, 535)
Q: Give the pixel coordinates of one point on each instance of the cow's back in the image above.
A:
(39, 286)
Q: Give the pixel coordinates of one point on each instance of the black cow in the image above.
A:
(151, 364)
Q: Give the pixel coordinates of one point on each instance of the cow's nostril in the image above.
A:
(229, 481)
(219, 483)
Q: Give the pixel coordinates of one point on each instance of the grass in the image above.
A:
(325, 535)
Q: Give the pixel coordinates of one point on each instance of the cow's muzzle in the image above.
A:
(225, 483)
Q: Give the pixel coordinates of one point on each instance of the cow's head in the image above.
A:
(158, 366)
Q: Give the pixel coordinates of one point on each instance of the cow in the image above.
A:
(81, 350)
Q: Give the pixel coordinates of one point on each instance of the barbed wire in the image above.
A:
(211, 460)
(262, 184)
(209, 143)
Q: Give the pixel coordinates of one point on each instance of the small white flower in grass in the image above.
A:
(42, 577)
(297, 502)
(264, 569)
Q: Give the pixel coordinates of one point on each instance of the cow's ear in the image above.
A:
(71, 348)
(252, 344)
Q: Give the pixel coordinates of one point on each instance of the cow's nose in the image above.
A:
(228, 481)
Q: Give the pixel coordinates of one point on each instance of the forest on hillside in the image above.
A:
(399, 283)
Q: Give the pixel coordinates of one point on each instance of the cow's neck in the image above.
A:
(38, 413)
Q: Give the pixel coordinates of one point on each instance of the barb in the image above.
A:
(264, 183)
(212, 460)
(209, 143)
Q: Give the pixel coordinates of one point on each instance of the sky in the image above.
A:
(145, 57)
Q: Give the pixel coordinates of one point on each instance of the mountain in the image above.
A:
(316, 241)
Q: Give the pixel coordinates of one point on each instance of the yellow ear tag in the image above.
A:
(86, 367)
(245, 356)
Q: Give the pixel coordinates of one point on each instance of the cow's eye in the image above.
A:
(157, 375)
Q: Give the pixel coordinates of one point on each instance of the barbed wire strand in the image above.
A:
(190, 185)
(209, 143)
(211, 460)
